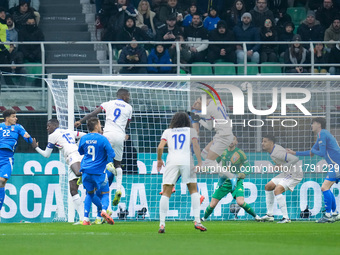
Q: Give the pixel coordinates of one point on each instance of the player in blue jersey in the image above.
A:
(97, 153)
(9, 135)
(327, 147)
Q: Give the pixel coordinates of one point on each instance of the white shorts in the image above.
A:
(221, 142)
(74, 157)
(117, 142)
(172, 172)
(287, 180)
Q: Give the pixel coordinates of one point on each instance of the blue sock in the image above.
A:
(105, 201)
(333, 203)
(97, 203)
(87, 204)
(110, 177)
(327, 198)
(99, 195)
(2, 196)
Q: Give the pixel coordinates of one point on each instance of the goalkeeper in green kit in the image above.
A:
(234, 160)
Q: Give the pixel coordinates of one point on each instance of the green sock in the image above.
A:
(208, 211)
(248, 209)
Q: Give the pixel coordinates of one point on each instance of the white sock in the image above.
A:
(163, 209)
(270, 202)
(281, 200)
(119, 178)
(195, 202)
(79, 206)
(204, 154)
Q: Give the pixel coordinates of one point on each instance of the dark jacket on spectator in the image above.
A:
(268, 48)
(326, 16)
(314, 33)
(163, 29)
(166, 11)
(31, 33)
(20, 18)
(252, 33)
(128, 56)
(156, 58)
(334, 56)
(258, 18)
(285, 37)
(197, 35)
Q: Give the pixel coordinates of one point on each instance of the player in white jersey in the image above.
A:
(118, 115)
(290, 176)
(216, 117)
(64, 140)
(179, 137)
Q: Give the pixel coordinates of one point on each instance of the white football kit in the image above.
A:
(65, 140)
(179, 160)
(218, 119)
(292, 174)
(118, 113)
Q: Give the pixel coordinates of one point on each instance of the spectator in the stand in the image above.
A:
(286, 36)
(131, 31)
(31, 33)
(334, 58)
(233, 17)
(320, 57)
(260, 13)
(145, 19)
(282, 19)
(169, 31)
(246, 32)
(4, 54)
(133, 54)
(203, 6)
(16, 57)
(157, 4)
(114, 16)
(326, 13)
(311, 29)
(276, 6)
(21, 13)
(188, 18)
(332, 34)
(184, 51)
(35, 4)
(225, 52)
(159, 55)
(198, 36)
(298, 55)
(249, 4)
(268, 34)
(170, 9)
(210, 22)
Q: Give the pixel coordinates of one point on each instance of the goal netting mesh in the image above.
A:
(156, 99)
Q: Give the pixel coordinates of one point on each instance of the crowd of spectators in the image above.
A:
(19, 21)
(202, 21)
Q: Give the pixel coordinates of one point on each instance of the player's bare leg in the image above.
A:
(195, 202)
(3, 182)
(269, 189)
(164, 206)
(119, 179)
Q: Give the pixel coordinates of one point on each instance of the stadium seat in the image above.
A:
(298, 14)
(228, 69)
(251, 70)
(197, 69)
(274, 68)
(35, 71)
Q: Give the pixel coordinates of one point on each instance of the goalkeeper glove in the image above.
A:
(194, 117)
(110, 167)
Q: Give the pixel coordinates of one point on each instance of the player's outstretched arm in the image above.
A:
(45, 153)
(208, 124)
(197, 151)
(88, 116)
(160, 150)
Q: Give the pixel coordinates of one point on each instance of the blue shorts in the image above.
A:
(95, 181)
(6, 163)
(333, 175)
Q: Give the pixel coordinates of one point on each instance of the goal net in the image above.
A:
(279, 105)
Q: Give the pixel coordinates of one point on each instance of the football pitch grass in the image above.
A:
(227, 237)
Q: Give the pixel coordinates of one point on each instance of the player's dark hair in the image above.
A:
(180, 119)
(54, 122)
(8, 113)
(320, 120)
(269, 137)
(92, 123)
(122, 92)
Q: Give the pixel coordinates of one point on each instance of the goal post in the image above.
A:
(280, 105)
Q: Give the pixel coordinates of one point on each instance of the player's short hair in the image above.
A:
(54, 122)
(122, 92)
(8, 113)
(320, 120)
(269, 137)
(180, 119)
(92, 123)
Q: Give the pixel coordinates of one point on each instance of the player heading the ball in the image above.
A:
(118, 115)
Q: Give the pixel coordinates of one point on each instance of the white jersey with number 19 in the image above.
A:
(179, 142)
(118, 112)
